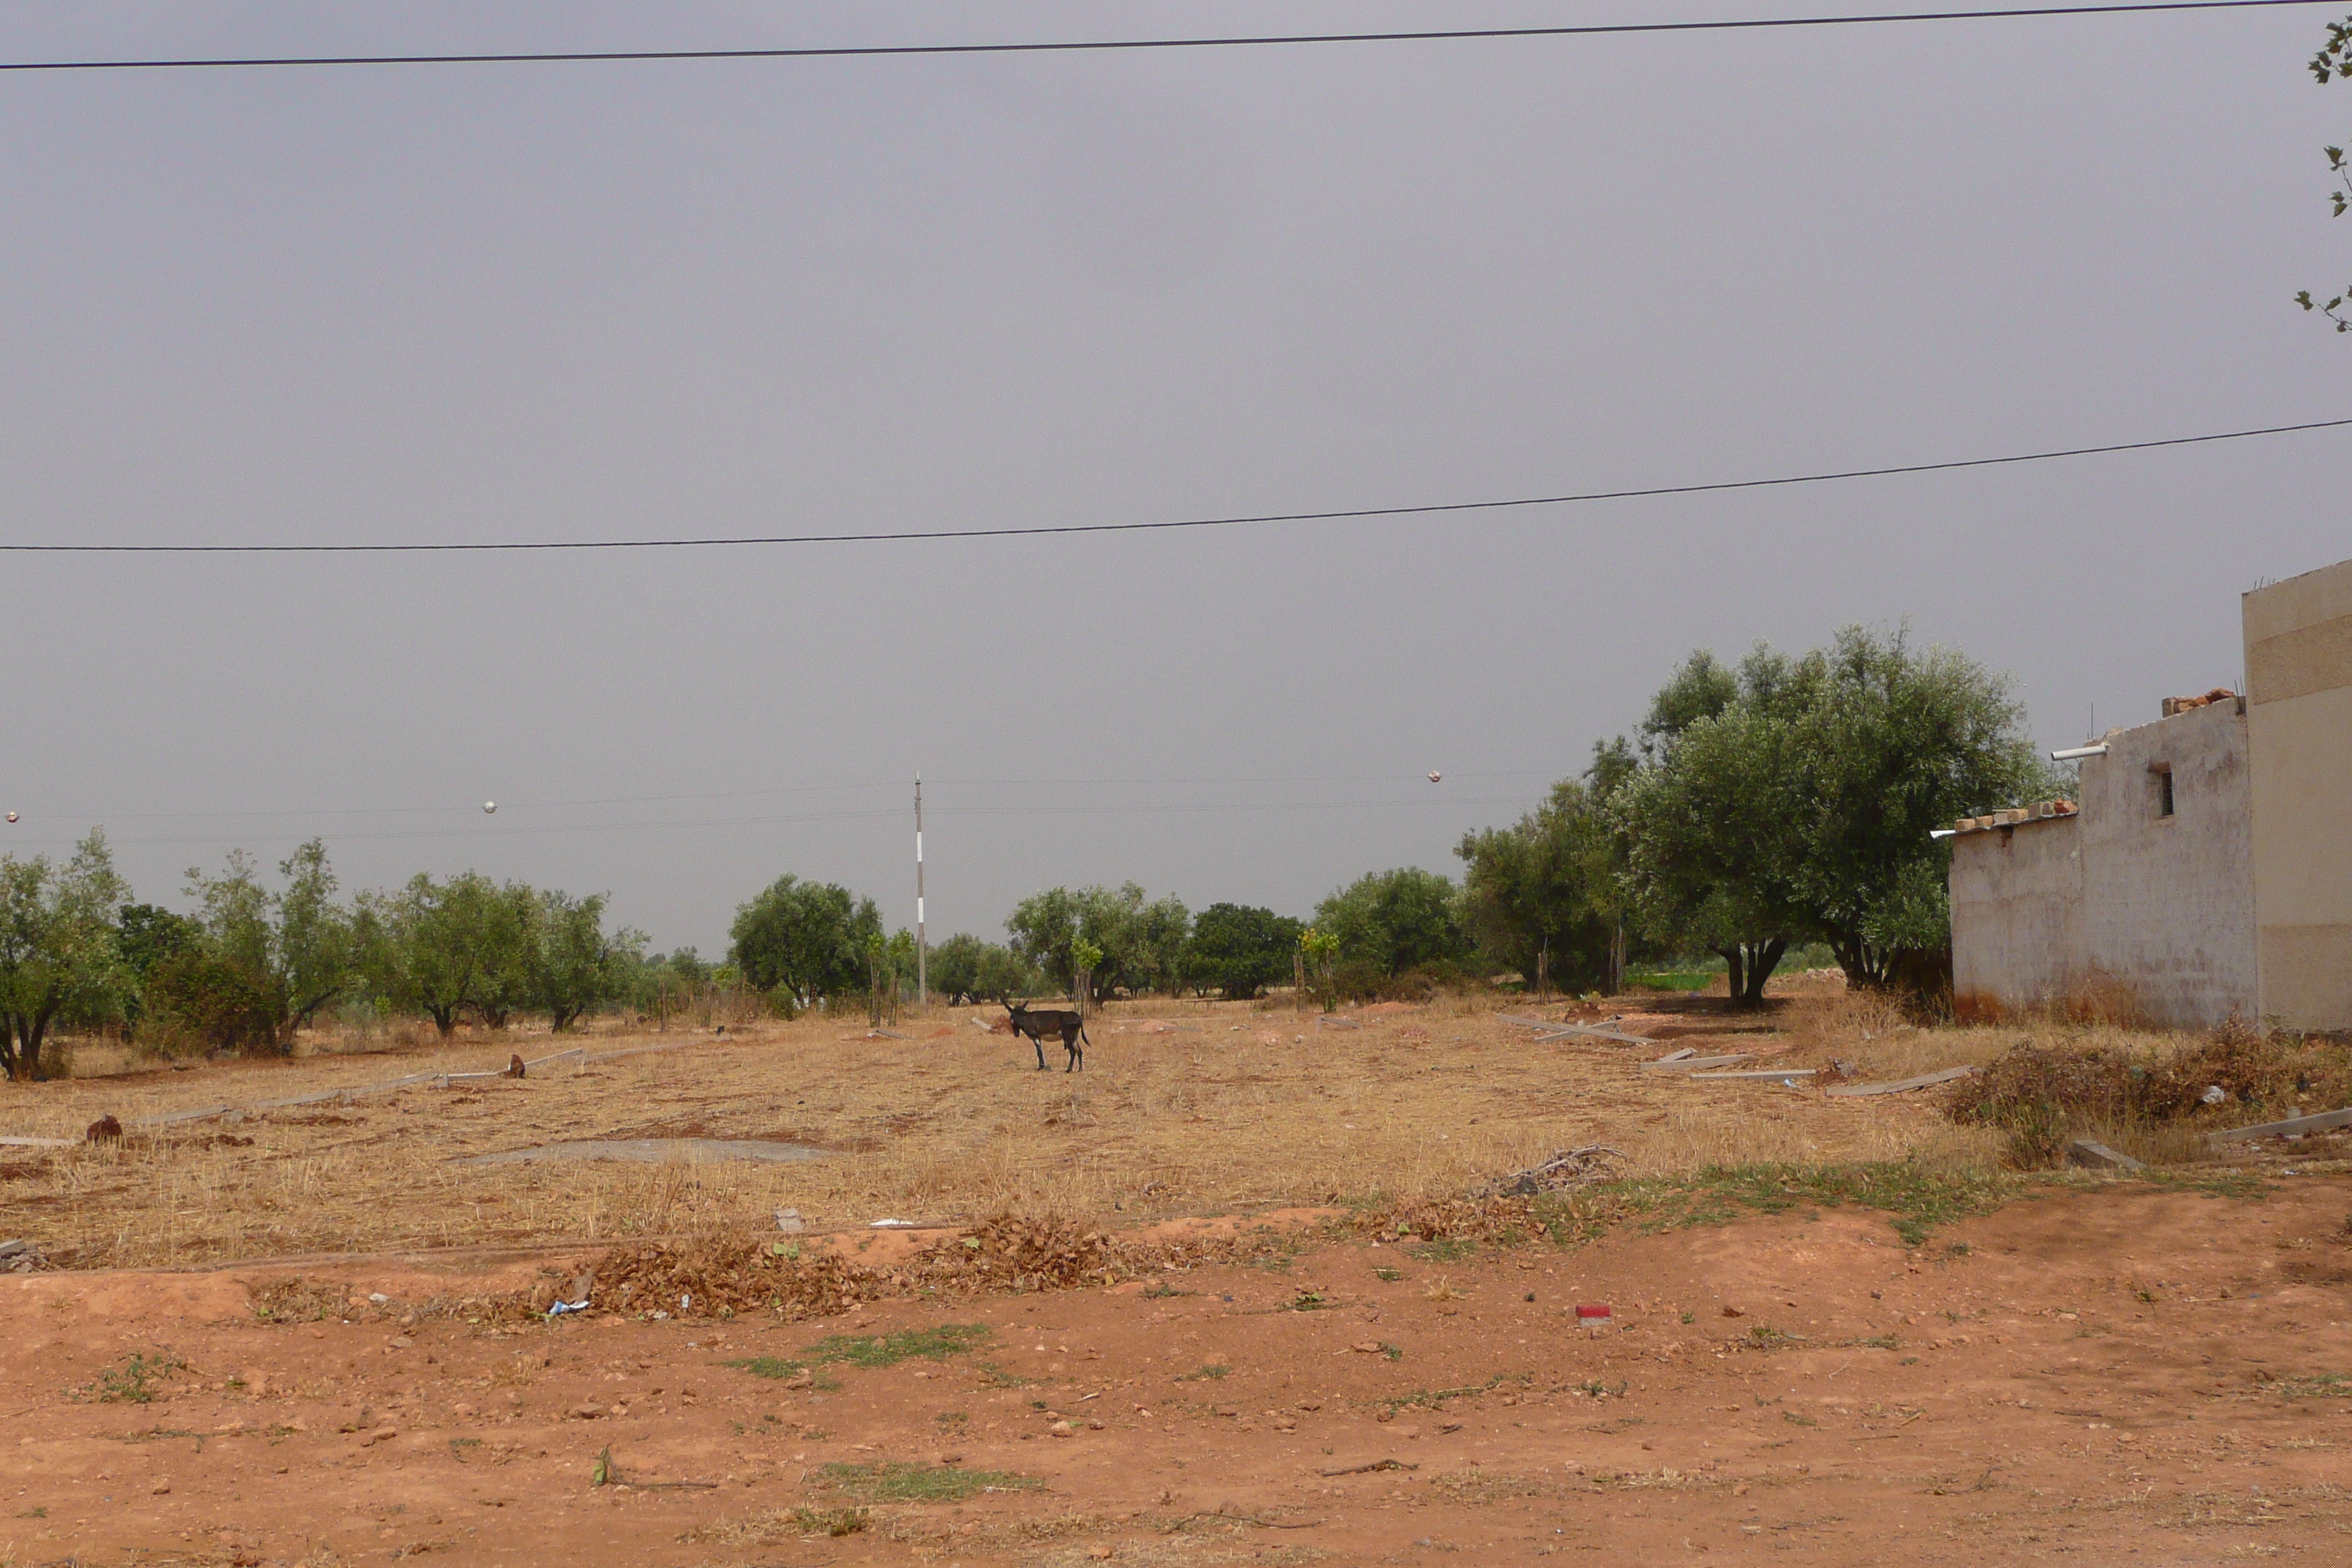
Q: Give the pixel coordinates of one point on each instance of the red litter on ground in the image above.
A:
(1593, 1309)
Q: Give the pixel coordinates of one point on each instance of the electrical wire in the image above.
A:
(1083, 45)
(937, 781)
(543, 829)
(1029, 531)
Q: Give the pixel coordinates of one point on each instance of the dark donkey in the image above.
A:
(1038, 1025)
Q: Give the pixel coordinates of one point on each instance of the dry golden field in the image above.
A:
(1185, 1107)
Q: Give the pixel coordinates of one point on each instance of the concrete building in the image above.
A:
(2206, 871)
(2299, 696)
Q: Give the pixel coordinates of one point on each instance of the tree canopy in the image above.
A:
(963, 968)
(287, 952)
(1793, 801)
(1239, 949)
(58, 947)
(1141, 938)
(1394, 921)
(805, 940)
(1546, 884)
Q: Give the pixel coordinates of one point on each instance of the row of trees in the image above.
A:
(256, 963)
(1758, 806)
(1782, 801)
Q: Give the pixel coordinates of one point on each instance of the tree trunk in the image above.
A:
(1763, 957)
(1735, 962)
(31, 1030)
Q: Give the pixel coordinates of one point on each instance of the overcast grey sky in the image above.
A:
(607, 301)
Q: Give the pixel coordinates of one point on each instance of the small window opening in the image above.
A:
(2163, 792)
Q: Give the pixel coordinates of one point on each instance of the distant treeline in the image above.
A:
(1779, 802)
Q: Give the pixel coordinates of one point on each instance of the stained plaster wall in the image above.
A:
(2120, 895)
(2017, 917)
(2168, 901)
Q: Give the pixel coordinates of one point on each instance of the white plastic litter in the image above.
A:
(892, 1225)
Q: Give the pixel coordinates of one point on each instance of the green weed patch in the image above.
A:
(2317, 1385)
(907, 1345)
(1916, 1200)
(134, 1382)
(1431, 1398)
(871, 1350)
(834, 1522)
(889, 1482)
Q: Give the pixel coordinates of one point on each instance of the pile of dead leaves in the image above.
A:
(1568, 1168)
(721, 1275)
(1019, 1252)
(1493, 1220)
(295, 1299)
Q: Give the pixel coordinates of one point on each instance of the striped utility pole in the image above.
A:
(922, 951)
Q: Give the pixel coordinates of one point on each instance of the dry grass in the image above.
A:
(950, 1125)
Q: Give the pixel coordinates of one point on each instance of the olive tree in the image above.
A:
(60, 951)
(1394, 921)
(1544, 885)
(2332, 62)
(441, 949)
(1709, 820)
(571, 965)
(1141, 939)
(963, 968)
(1794, 803)
(805, 940)
(291, 949)
(1239, 949)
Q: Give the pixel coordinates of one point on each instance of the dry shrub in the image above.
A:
(2250, 1067)
(2040, 1096)
(2101, 1000)
(2036, 1094)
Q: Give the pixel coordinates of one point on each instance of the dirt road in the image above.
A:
(2128, 1375)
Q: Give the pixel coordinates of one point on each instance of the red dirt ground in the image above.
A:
(2127, 1374)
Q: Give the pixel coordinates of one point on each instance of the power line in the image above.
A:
(508, 808)
(1080, 45)
(546, 829)
(1424, 509)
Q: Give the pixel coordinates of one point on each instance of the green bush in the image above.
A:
(196, 999)
(1239, 949)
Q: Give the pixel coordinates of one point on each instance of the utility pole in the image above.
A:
(922, 951)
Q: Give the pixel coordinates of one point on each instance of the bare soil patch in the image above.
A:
(2126, 1371)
